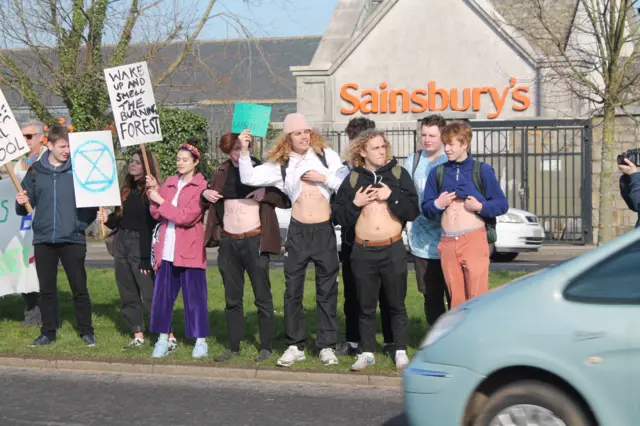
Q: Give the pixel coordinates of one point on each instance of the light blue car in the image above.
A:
(560, 347)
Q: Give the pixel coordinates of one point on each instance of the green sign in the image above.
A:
(253, 117)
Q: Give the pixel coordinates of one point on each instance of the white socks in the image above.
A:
(163, 336)
(201, 340)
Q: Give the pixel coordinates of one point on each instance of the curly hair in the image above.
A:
(359, 145)
(282, 148)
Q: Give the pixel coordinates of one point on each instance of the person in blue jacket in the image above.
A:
(466, 197)
(58, 234)
(630, 186)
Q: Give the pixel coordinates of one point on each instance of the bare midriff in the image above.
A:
(311, 206)
(456, 218)
(377, 222)
(241, 216)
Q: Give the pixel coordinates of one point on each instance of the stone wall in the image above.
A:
(627, 136)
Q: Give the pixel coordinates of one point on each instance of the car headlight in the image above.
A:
(445, 325)
(510, 218)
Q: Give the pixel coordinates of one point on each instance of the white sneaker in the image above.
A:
(402, 360)
(291, 355)
(328, 356)
(363, 360)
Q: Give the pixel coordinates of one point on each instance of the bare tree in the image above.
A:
(587, 50)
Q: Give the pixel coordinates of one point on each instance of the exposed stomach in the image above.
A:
(311, 206)
(241, 216)
(376, 222)
(456, 218)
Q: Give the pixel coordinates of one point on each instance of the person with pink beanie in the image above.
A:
(303, 167)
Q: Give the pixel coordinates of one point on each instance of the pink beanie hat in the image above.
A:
(294, 122)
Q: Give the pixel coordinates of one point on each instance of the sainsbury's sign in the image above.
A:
(433, 99)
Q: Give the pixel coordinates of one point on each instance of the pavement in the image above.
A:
(32, 397)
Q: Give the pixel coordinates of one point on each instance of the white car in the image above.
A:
(518, 231)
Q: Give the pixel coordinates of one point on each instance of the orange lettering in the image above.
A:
(384, 98)
(405, 100)
(349, 98)
(498, 101)
(519, 96)
(419, 98)
(370, 105)
(433, 92)
(466, 100)
(477, 92)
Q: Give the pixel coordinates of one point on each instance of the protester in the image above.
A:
(33, 133)
(308, 172)
(351, 308)
(464, 195)
(630, 186)
(133, 226)
(424, 234)
(58, 234)
(180, 260)
(378, 199)
(242, 221)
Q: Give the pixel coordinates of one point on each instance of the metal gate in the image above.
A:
(544, 166)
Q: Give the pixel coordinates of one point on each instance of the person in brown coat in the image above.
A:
(242, 222)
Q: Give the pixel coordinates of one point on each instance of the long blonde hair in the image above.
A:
(353, 155)
(280, 152)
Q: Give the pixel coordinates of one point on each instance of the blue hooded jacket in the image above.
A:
(51, 194)
(458, 178)
(630, 191)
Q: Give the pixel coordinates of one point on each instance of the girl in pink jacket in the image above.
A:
(180, 257)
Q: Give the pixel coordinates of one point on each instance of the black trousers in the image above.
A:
(72, 257)
(432, 285)
(311, 243)
(135, 288)
(351, 307)
(374, 267)
(235, 256)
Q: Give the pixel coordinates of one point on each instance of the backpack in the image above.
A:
(416, 160)
(353, 176)
(490, 224)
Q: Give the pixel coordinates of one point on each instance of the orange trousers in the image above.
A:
(465, 265)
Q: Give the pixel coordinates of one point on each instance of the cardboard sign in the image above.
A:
(95, 175)
(17, 264)
(253, 117)
(12, 143)
(133, 104)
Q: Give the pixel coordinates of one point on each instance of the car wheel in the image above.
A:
(531, 403)
(503, 257)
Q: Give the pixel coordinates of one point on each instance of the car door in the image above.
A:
(608, 334)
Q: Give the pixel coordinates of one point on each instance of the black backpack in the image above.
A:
(490, 224)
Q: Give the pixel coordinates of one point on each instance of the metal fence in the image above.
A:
(543, 166)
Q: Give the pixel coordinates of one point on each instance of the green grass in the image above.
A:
(112, 333)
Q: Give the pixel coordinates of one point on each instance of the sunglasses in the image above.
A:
(29, 136)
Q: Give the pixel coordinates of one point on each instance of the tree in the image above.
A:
(65, 45)
(589, 49)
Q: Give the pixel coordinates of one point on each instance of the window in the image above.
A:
(616, 280)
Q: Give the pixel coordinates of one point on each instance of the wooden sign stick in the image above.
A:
(101, 224)
(145, 159)
(16, 183)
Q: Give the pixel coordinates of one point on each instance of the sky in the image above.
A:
(272, 18)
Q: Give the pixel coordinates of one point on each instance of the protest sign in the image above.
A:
(253, 117)
(17, 264)
(133, 104)
(95, 175)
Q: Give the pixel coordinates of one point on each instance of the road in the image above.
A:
(77, 399)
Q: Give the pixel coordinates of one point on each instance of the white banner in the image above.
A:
(95, 175)
(12, 143)
(17, 264)
(133, 104)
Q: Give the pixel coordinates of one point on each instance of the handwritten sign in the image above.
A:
(251, 116)
(95, 176)
(17, 263)
(12, 143)
(133, 104)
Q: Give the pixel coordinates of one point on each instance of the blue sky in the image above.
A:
(273, 18)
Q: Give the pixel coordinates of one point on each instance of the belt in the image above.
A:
(248, 234)
(378, 243)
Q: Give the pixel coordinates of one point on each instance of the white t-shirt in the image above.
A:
(170, 235)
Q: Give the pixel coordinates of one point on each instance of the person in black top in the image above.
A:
(133, 225)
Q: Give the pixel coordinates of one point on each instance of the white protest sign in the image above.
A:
(17, 264)
(95, 175)
(133, 104)
(12, 143)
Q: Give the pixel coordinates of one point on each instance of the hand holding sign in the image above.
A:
(253, 117)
